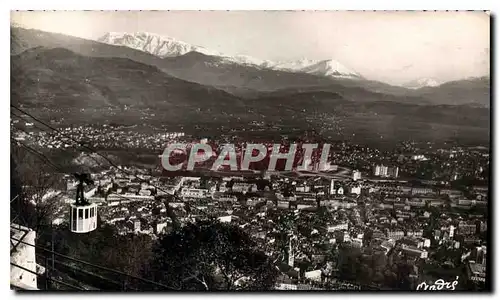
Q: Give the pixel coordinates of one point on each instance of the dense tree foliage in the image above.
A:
(373, 268)
(209, 255)
(34, 187)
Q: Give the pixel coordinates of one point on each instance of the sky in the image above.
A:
(394, 47)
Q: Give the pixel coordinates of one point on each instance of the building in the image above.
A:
(386, 171)
(466, 229)
(225, 219)
(464, 202)
(380, 170)
(356, 175)
(286, 287)
(395, 234)
(137, 226)
(415, 233)
(483, 226)
(194, 193)
(421, 191)
(243, 187)
(221, 197)
(409, 250)
(356, 190)
(24, 256)
(145, 192)
(127, 198)
(476, 272)
(479, 255)
(419, 157)
(325, 166)
(339, 226)
(452, 231)
(387, 245)
(393, 172)
(415, 202)
(313, 275)
(302, 188)
(161, 227)
(450, 192)
(304, 206)
(283, 204)
(357, 242)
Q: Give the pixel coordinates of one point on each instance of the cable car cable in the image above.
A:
(48, 161)
(94, 265)
(86, 147)
(62, 255)
(81, 144)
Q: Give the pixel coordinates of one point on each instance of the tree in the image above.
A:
(349, 263)
(368, 236)
(209, 255)
(285, 228)
(323, 216)
(37, 186)
(105, 247)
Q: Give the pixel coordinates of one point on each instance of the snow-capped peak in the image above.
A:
(327, 67)
(245, 60)
(331, 68)
(422, 82)
(164, 46)
(155, 44)
(295, 64)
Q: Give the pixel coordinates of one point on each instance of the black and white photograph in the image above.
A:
(210, 151)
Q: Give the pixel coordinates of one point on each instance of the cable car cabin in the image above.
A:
(83, 218)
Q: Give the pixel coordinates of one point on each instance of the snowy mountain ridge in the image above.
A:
(421, 82)
(170, 47)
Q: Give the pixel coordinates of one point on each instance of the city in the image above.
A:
(156, 154)
(413, 204)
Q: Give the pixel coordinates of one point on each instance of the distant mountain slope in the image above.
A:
(213, 70)
(58, 77)
(249, 81)
(421, 83)
(473, 91)
(23, 39)
(193, 66)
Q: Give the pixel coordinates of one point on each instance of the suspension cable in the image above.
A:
(94, 265)
(81, 144)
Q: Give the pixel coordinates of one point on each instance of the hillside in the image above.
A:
(236, 78)
(243, 79)
(473, 91)
(58, 77)
(24, 39)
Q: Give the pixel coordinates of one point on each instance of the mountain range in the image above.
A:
(247, 79)
(60, 71)
(243, 75)
(169, 47)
